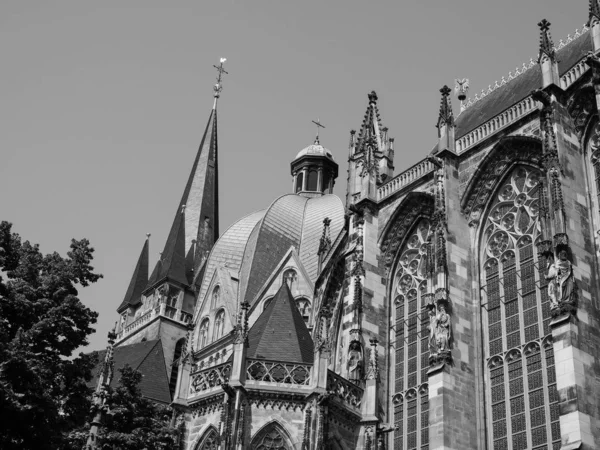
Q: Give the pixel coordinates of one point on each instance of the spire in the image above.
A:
(139, 279)
(446, 116)
(370, 130)
(594, 16)
(200, 222)
(546, 44)
(99, 406)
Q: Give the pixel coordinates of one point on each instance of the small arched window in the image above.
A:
(313, 178)
(290, 277)
(303, 305)
(299, 181)
(326, 180)
(219, 325)
(216, 296)
(210, 440)
(203, 332)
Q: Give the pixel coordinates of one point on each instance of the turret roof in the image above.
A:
(138, 282)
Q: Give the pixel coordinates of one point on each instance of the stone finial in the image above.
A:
(546, 44)
(446, 116)
(373, 369)
(373, 97)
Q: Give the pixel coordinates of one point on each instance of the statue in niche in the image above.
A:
(442, 329)
(561, 283)
(355, 362)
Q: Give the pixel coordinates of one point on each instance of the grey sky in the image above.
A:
(104, 103)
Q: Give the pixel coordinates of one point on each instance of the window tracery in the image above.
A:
(411, 407)
(303, 305)
(210, 440)
(272, 437)
(519, 378)
(290, 277)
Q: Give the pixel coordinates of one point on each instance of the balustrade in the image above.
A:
(205, 379)
(278, 372)
(344, 390)
(404, 179)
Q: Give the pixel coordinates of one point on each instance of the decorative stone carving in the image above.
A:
(562, 289)
(373, 370)
(241, 328)
(355, 362)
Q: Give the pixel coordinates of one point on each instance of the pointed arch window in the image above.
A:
(290, 277)
(267, 303)
(271, 437)
(219, 325)
(215, 298)
(210, 441)
(411, 407)
(519, 378)
(203, 332)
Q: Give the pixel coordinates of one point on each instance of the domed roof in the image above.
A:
(253, 247)
(315, 149)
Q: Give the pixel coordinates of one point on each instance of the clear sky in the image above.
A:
(104, 103)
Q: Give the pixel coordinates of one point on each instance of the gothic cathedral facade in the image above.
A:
(454, 305)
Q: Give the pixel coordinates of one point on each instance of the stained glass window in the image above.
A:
(412, 351)
(518, 346)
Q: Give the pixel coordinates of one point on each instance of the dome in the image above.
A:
(315, 149)
(252, 248)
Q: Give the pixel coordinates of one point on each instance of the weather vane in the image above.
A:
(318, 124)
(219, 86)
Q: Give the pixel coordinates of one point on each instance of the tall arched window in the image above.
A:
(312, 181)
(203, 332)
(215, 298)
(303, 306)
(290, 276)
(520, 384)
(219, 325)
(175, 367)
(299, 181)
(411, 407)
(271, 437)
(210, 440)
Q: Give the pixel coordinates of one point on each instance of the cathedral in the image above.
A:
(453, 305)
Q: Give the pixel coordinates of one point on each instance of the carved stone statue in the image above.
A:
(442, 329)
(561, 283)
(355, 362)
(432, 326)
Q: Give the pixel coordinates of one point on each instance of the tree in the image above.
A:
(43, 392)
(132, 422)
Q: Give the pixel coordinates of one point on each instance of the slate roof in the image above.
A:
(291, 221)
(146, 357)
(279, 333)
(519, 88)
(138, 282)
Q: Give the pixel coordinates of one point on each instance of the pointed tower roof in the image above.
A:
(546, 44)
(139, 280)
(371, 128)
(279, 333)
(194, 233)
(172, 264)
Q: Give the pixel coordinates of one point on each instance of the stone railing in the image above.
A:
(345, 390)
(278, 372)
(404, 179)
(160, 310)
(573, 75)
(205, 379)
(495, 124)
(139, 322)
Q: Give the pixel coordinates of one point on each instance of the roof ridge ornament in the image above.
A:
(547, 49)
(319, 125)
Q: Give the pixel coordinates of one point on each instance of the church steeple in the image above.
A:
(139, 280)
(195, 227)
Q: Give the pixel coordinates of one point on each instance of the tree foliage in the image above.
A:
(131, 422)
(43, 393)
